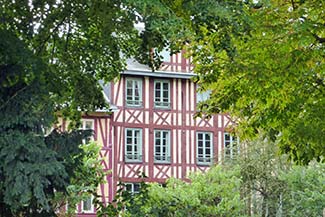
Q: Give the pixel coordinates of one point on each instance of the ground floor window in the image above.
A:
(87, 205)
(133, 188)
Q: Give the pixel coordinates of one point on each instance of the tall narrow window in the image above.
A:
(133, 92)
(87, 205)
(204, 148)
(162, 146)
(231, 146)
(162, 94)
(133, 145)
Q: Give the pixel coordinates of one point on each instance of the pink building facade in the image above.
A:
(152, 129)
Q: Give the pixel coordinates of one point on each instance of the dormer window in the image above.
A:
(133, 92)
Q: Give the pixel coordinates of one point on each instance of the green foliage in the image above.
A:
(52, 54)
(86, 178)
(216, 193)
(306, 195)
(34, 166)
(273, 186)
(258, 183)
(261, 168)
(268, 73)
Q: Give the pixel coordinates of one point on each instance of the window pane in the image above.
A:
(207, 137)
(165, 86)
(157, 150)
(129, 148)
(157, 86)
(129, 83)
(227, 136)
(165, 94)
(128, 140)
(128, 187)
(87, 204)
(88, 125)
(129, 93)
(136, 188)
(157, 95)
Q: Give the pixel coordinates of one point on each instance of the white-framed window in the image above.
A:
(162, 146)
(133, 145)
(204, 151)
(231, 146)
(162, 93)
(133, 92)
(87, 205)
(87, 124)
(133, 188)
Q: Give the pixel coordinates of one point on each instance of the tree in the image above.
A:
(273, 186)
(33, 166)
(306, 194)
(87, 176)
(270, 77)
(50, 53)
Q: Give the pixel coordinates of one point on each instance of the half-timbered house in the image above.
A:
(152, 129)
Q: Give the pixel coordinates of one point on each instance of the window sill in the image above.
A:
(203, 164)
(87, 211)
(134, 106)
(162, 162)
(133, 162)
(162, 108)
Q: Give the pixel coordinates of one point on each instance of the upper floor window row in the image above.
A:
(162, 146)
(134, 90)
